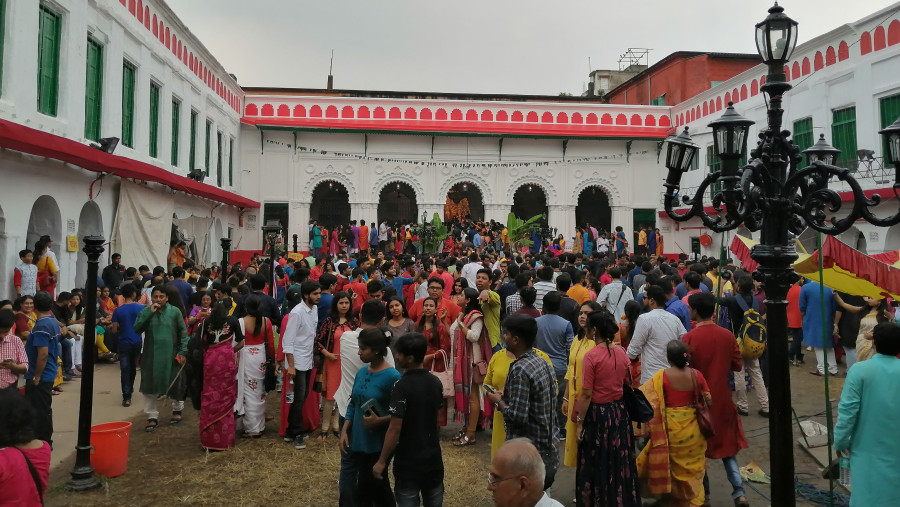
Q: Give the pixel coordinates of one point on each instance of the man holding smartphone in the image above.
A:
(12, 352)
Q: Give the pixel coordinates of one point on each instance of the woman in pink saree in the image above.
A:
(335, 241)
(221, 337)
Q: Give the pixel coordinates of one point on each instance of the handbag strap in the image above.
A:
(699, 399)
(34, 475)
(446, 360)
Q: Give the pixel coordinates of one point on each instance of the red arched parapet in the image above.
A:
(547, 117)
(718, 103)
(379, 113)
(140, 11)
(830, 56)
(893, 33)
(331, 112)
(174, 44)
(394, 113)
(843, 51)
(471, 115)
(681, 119)
(865, 43)
(762, 81)
(363, 112)
(155, 24)
(705, 109)
(268, 110)
(441, 114)
(410, 114)
(531, 117)
(251, 110)
(663, 121)
(132, 4)
(743, 92)
(562, 118)
(162, 32)
(818, 61)
(712, 106)
(636, 120)
(517, 116)
(502, 116)
(456, 115)
(727, 97)
(347, 112)
(487, 115)
(577, 118)
(168, 38)
(146, 17)
(734, 95)
(650, 121)
(315, 112)
(690, 116)
(754, 88)
(284, 110)
(804, 67)
(425, 114)
(123, 3)
(606, 119)
(880, 41)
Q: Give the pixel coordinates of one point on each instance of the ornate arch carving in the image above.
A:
(606, 186)
(533, 179)
(328, 175)
(399, 178)
(478, 181)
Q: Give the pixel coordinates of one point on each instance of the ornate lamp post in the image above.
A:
(226, 261)
(295, 243)
(770, 194)
(271, 231)
(83, 473)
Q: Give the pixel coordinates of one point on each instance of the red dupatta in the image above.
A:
(463, 355)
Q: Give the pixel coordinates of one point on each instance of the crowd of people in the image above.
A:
(377, 348)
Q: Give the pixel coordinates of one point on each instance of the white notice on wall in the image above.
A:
(70, 226)
(251, 222)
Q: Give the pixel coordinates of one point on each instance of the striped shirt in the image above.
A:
(11, 348)
(530, 396)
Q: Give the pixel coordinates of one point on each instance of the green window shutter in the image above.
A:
(803, 133)
(890, 111)
(48, 61)
(176, 130)
(128, 81)
(93, 95)
(154, 120)
(2, 34)
(230, 161)
(208, 146)
(714, 164)
(192, 156)
(219, 158)
(843, 137)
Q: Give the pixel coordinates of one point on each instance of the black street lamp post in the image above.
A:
(770, 194)
(83, 473)
(226, 261)
(295, 243)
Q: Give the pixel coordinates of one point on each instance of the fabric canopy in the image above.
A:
(36, 142)
(143, 225)
(195, 231)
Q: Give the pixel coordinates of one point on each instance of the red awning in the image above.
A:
(36, 142)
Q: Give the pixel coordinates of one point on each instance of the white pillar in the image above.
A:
(497, 212)
(562, 216)
(624, 216)
(367, 211)
(298, 223)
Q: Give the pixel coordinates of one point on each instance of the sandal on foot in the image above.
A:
(151, 426)
(176, 418)
(464, 441)
(126, 403)
(322, 436)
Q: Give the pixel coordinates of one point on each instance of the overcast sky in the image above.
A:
(484, 46)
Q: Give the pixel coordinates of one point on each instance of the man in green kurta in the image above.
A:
(165, 344)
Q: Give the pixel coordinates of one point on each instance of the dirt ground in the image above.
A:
(168, 467)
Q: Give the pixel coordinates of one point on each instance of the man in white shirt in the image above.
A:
(614, 295)
(543, 285)
(382, 235)
(653, 332)
(371, 317)
(298, 340)
(516, 476)
(471, 269)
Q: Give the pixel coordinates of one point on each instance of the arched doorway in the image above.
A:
(397, 204)
(593, 208)
(90, 223)
(45, 220)
(528, 201)
(464, 202)
(330, 204)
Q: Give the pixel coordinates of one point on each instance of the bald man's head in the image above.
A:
(517, 474)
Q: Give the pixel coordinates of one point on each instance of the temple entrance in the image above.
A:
(593, 208)
(528, 201)
(45, 220)
(90, 223)
(464, 202)
(330, 205)
(397, 204)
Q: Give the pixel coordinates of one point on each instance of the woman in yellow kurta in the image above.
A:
(497, 371)
(576, 247)
(583, 343)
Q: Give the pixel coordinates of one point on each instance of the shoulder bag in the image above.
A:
(639, 408)
(704, 417)
(446, 376)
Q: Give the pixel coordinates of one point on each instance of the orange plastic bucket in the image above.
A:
(110, 442)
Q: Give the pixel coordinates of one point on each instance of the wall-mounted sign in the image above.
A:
(252, 222)
(71, 242)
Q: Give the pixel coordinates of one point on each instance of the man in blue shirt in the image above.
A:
(817, 332)
(328, 282)
(129, 340)
(42, 348)
(554, 337)
(675, 305)
(184, 289)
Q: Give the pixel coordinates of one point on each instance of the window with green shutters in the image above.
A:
(803, 133)
(208, 146)
(93, 94)
(154, 120)
(176, 129)
(843, 136)
(714, 164)
(49, 30)
(192, 155)
(2, 34)
(219, 158)
(230, 161)
(128, 81)
(890, 111)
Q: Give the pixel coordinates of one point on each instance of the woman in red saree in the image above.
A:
(437, 352)
(471, 354)
(220, 337)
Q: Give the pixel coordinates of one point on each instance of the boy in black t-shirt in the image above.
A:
(414, 432)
